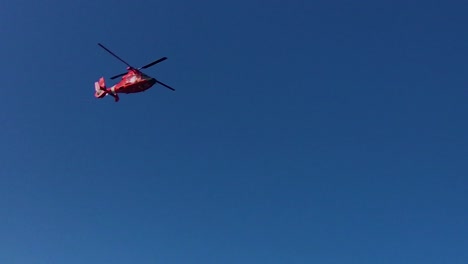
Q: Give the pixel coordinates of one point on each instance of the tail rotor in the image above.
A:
(100, 87)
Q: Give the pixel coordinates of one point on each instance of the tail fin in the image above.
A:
(102, 91)
(100, 88)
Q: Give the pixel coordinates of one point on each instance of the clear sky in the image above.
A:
(299, 132)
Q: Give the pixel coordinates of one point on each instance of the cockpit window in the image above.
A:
(131, 79)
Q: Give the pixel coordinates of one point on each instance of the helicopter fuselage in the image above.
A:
(134, 82)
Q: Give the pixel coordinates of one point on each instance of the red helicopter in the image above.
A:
(133, 81)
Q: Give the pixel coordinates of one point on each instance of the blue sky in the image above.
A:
(299, 132)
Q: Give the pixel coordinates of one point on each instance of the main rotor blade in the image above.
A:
(153, 63)
(117, 76)
(165, 85)
(112, 53)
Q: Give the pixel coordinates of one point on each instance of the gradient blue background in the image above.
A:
(299, 132)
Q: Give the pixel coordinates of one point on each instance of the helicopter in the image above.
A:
(133, 81)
